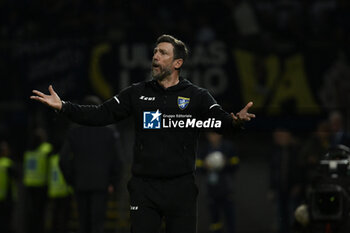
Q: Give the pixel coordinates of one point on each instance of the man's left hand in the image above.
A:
(244, 115)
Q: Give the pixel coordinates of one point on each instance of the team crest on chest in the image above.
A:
(182, 102)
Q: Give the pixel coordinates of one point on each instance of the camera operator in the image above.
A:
(327, 208)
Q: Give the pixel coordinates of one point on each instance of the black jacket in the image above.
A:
(164, 152)
(90, 158)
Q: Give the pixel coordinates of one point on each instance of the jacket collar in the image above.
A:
(182, 84)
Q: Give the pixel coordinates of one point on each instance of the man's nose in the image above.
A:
(155, 56)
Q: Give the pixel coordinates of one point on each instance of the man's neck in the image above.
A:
(169, 81)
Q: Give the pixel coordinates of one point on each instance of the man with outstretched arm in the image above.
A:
(169, 112)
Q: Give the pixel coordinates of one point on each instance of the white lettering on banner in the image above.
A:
(134, 56)
(214, 53)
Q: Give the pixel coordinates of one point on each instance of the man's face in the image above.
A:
(163, 63)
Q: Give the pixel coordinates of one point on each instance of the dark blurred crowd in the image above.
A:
(277, 24)
(61, 183)
(295, 166)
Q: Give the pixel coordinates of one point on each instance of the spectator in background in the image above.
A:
(245, 19)
(205, 32)
(341, 27)
(219, 162)
(35, 173)
(59, 193)
(313, 150)
(285, 180)
(335, 91)
(339, 135)
(8, 174)
(90, 162)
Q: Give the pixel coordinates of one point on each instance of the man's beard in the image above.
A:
(160, 76)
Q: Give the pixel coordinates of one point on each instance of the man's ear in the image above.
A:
(178, 63)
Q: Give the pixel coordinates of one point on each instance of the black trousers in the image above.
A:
(61, 209)
(174, 200)
(35, 205)
(220, 207)
(92, 206)
(6, 207)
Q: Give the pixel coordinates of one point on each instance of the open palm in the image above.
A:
(52, 100)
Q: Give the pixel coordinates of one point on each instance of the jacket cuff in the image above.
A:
(63, 108)
(238, 124)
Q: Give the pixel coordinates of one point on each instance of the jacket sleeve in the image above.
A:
(111, 111)
(211, 109)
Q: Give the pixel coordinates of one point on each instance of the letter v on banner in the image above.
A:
(281, 85)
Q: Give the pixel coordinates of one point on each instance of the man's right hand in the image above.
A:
(52, 100)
